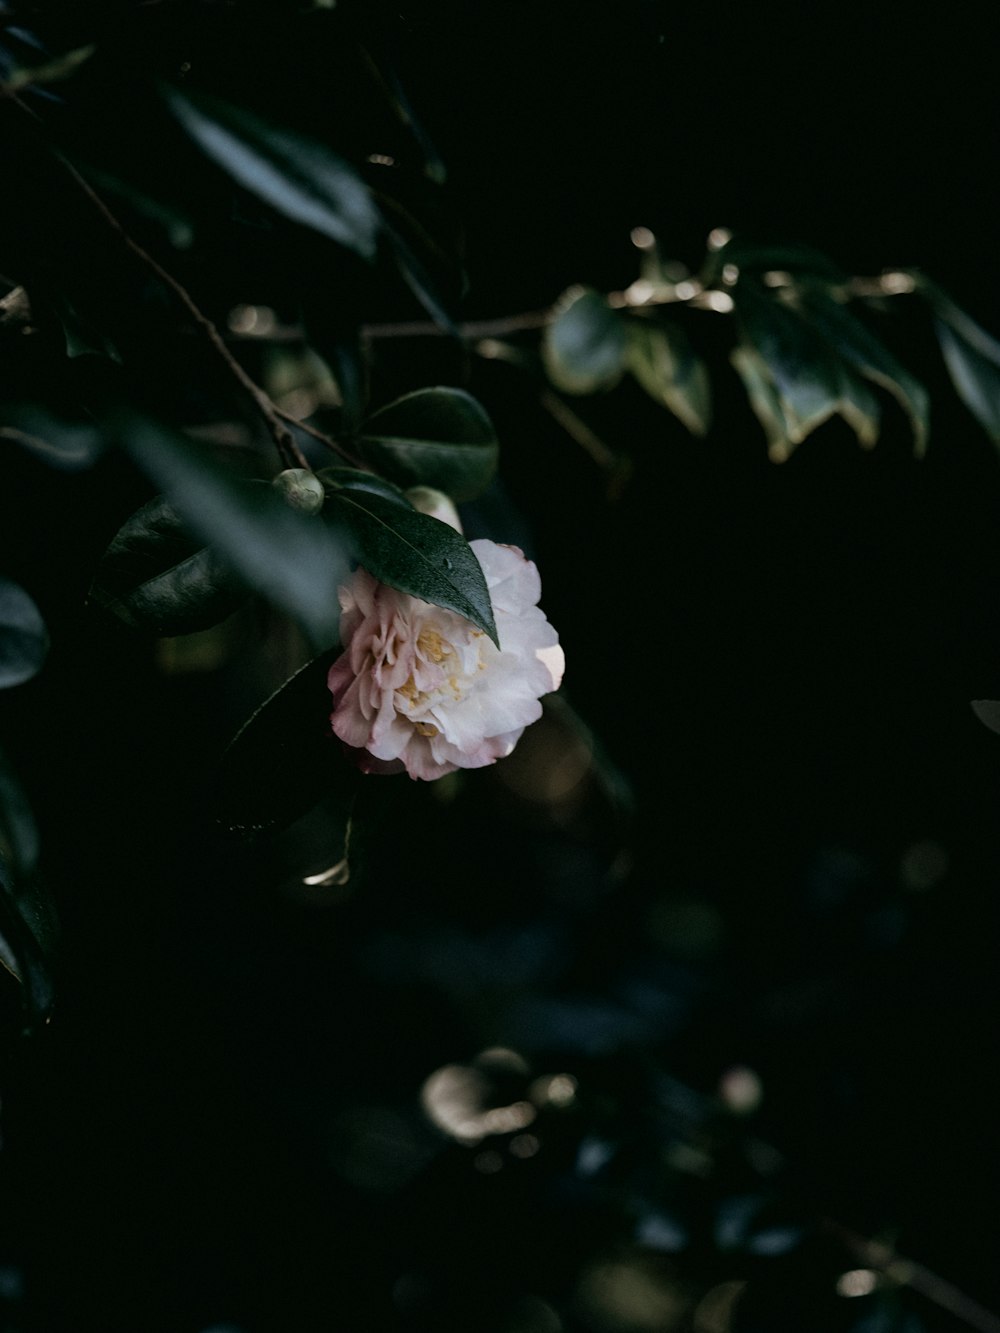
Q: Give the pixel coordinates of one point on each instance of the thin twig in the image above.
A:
(328, 440)
(475, 329)
(283, 438)
(907, 1273)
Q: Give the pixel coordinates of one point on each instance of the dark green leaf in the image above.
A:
(973, 359)
(156, 576)
(434, 437)
(988, 712)
(414, 553)
(294, 560)
(27, 935)
(284, 759)
(18, 834)
(585, 347)
(24, 640)
(417, 277)
(662, 359)
(52, 71)
(353, 479)
(859, 347)
(298, 176)
(809, 380)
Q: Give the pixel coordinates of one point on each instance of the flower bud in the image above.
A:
(427, 500)
(301, 489)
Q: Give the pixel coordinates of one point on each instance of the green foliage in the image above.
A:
(28, 926)
(412, 552)
(973, 359)
(661, 358)
(24, 640)
(437, 437)
(283, 759)
(299, 177)
(156, 576)
(586, 345)
(294, 560)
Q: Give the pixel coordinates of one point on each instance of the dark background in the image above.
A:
(221, 1123)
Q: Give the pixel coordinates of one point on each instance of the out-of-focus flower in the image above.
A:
(422, 689)
(427, 500)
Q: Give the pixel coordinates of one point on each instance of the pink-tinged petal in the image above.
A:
(419, 686)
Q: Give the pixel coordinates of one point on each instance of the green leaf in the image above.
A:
(298, 176)
(973, 359)
(24, 640)
(661, 358)
(859, 347)
(284, 759)
(809, 380)
(438, 437)
(353, 479)
(27, 937)
(414, 553)
(52, 71)
(18, 834)
(28, 926)
(988, 712)
(294, 560)
(585, 347)
(156, 576)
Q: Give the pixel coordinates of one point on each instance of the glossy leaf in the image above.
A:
(661, 358)
(437, 437)
(284, 759)
(973, 359)
(294, 560)
(585, 347)
(24, 640)
(353, 479)
(298, 176)
(861, 349)
(414, 553)
(156, 576)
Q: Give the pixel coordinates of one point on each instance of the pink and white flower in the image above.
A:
(421, 688)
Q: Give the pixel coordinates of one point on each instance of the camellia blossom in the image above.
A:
(422, 689)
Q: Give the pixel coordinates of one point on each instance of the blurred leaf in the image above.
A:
(24, 640)
(18, 834)
(294, 560)
(662, 359)
(284, 758)
(417, 277)
(414, 553)
(585, 347)
(750, 257)
(988, 712)
(793, 377)
(298, 176)
(27, 936)
(859, 347)
(156, 576)
(437, 437)
(973, 359)
(67, 445)
(53, 71)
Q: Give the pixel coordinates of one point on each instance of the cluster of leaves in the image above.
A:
(77, 386)
(803, 354)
